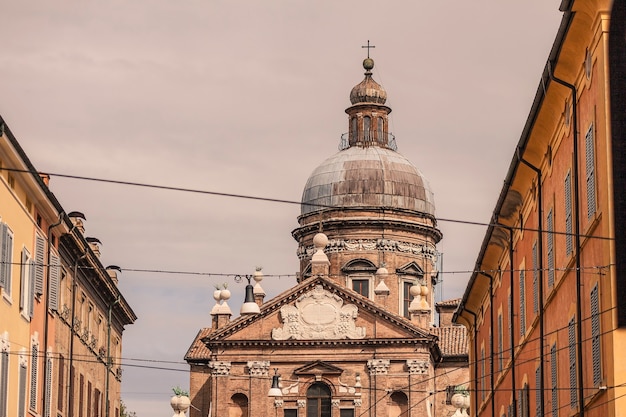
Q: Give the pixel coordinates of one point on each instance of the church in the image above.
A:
(356, 336)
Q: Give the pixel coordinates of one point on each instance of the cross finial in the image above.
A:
(368, 47)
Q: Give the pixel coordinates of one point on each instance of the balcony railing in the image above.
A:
(367, 138)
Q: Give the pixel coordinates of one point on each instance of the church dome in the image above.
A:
(368, 177)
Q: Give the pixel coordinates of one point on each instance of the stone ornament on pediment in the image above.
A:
(417, 367)
(219, 367)
(258, 368)
(301, 403)
(358, 402)
(378, 366)
(318, 314)
(335, 403)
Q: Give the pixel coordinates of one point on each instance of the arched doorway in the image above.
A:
(318, 400)
(398, 405)
(238, 406)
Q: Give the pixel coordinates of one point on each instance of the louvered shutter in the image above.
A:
(500, 343)
(4, 255)
(21, 400)
(595, 337)
(4, 383)
(53, 291)
(48, 388)
(553, 375)
(571, 340)
(568, 213)
(24, 281)
(538, 403)
(535, 279)
(40, 247)
(590, 171)
(522, 302)
(31, 288)
(34, 366)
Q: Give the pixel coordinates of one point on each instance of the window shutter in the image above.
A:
(568, 214)
(522, 302)
(4, 255)
(53, 291)
(571, 339)
(553, 375)
(590, 171)
(31, 288)
(535, 279)
(23, 281)
(39, 264)
(34, 361)
(500, 343)
(4, 383)
(48, 388)
(21, 404)
(595, 337)
(539, 405)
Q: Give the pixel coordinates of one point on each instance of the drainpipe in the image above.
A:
(579, 331)
(44, 402)
(70, 387)
(540, 276)
(108, 365)
(492, 379)
(511, 315)
(462, 308)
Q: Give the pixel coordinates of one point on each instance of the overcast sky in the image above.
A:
(248, 97)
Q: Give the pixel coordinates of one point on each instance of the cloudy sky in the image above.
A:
(248, 97)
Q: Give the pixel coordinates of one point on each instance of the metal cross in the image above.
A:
(368, 47)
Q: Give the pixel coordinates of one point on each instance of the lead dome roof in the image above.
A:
(368, 177)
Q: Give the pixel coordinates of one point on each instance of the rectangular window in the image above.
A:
(6, 258)
(550, 249)
(568, 214)
(522, 302)
(500, 352)
(522, 402)
(25, 288)
(96, 403)
(571, 339)
(535, 278)
(4, 382)
(346, 412)
(595, 337)
(81, 395)
(406, 298)
(89, 404)
(34, 374)
(590, 172)
(362, 286)
(553, 376)
(291, 412)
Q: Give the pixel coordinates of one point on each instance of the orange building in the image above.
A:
(545, 307)
(61, 314)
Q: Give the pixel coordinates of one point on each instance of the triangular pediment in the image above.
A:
(318, 310)
(412, 268)
(318, 368)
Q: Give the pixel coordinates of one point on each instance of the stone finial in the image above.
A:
(259, 292)
(320, 265)
(221, 311)
(382, 288)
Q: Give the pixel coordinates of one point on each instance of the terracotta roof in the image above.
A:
(448, 303)
(198, 350)
(452, 340)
